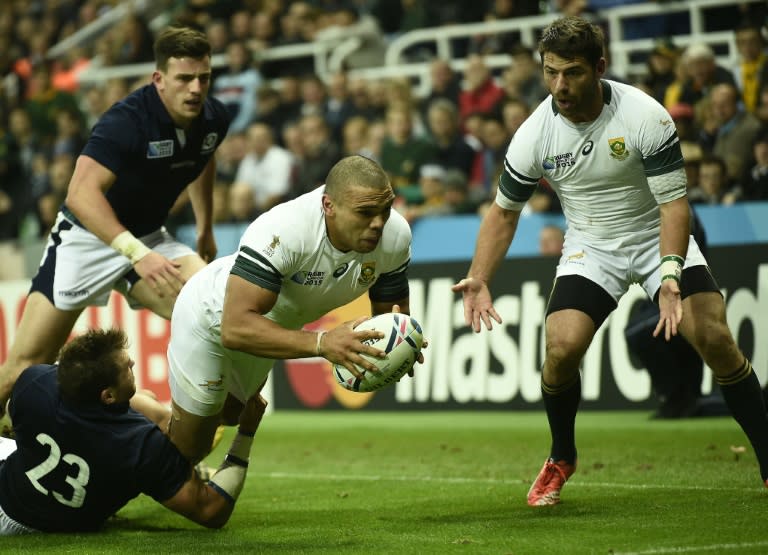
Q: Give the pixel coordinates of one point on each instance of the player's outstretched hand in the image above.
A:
(162, 274)
(345, 346)
(670, 309)
(250, 416)
(478, 305)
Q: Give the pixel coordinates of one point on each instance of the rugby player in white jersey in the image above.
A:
(612, 154)
(294, 264)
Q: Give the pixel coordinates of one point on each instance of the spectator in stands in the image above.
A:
(754, 185)
(240, 26)
(684, 118)
(338, 105)
(456, 193)
(268, 169)
(729, 129)
(70, 138)
(551, 239)
(241, 204)
(133, 40)
(313, 96)
(661, 64)
(263, 31)
(522, 79)
(268, 109)
(59, 171)
(513, 113)
(443, 83)
(290, 98)
(452, 151)
(426, 197)
(346, 22)
(703, 73)
(43, 105)
(236, 88)
(217, 32)
(402, 152)
(320, 154)
(495, 142)
(12, 186)
(761, 112)
(377, 132)
(230, 153)
(480, 94)
(752, 61)
(25, 140)
(692, 156)
(714, 187)
(361, 101)
(354, 135)
(293, 141)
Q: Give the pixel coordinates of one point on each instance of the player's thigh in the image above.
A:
(192, 434)
(704, 326)
(142, 293)
(42, 331)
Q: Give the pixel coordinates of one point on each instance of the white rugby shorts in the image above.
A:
(78, 269)
(615, 264)
(200, 371)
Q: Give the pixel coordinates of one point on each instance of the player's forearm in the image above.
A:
(201, 197)
(675, 227)
(260, 336)
(496, 233)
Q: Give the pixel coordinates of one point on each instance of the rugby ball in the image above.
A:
(402, 342)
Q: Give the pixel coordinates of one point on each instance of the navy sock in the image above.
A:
(744, 397)
(561, 403)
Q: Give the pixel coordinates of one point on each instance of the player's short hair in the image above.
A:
(180, 42)
(572, 37)
(354, 170)
(89, 364)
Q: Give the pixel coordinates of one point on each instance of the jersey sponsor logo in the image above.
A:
(269, 250)
(618, 148)
(367, 273)
(559, 161)
(308, 278)
(341, 270)
(587, 148)
(209, 143)
(74, 293)
(160, 149)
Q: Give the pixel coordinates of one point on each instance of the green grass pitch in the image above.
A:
(455, 483)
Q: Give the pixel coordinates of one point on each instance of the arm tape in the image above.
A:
(668, 186)
(129, 246)
(230, 477)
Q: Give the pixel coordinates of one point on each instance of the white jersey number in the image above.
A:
(78, 482)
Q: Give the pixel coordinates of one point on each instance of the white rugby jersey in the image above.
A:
(287, 250)
(599, 169)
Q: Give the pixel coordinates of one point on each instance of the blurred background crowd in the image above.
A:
(443, 149)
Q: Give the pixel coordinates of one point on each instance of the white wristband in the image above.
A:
(320, 335)
(130, 247)
(672, 267)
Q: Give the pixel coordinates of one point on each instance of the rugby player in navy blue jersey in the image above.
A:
(82, 451)
(142, 153)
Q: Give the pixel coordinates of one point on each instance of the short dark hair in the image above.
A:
(354, 170)
(180, 42)
(89, 364)
(571, 37)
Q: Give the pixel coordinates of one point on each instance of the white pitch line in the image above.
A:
(697, 548)
(464, 480)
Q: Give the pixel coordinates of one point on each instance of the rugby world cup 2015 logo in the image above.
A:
(618, 148)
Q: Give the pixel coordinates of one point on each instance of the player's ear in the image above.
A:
(600, 67)
(328, 207)
(157, 77)
(108, 396)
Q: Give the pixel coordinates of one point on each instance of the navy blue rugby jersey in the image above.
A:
(137, 141)
(73, 469)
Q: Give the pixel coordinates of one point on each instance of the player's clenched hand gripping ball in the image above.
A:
(402, 342)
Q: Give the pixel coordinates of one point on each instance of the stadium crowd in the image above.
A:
(443, 151)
